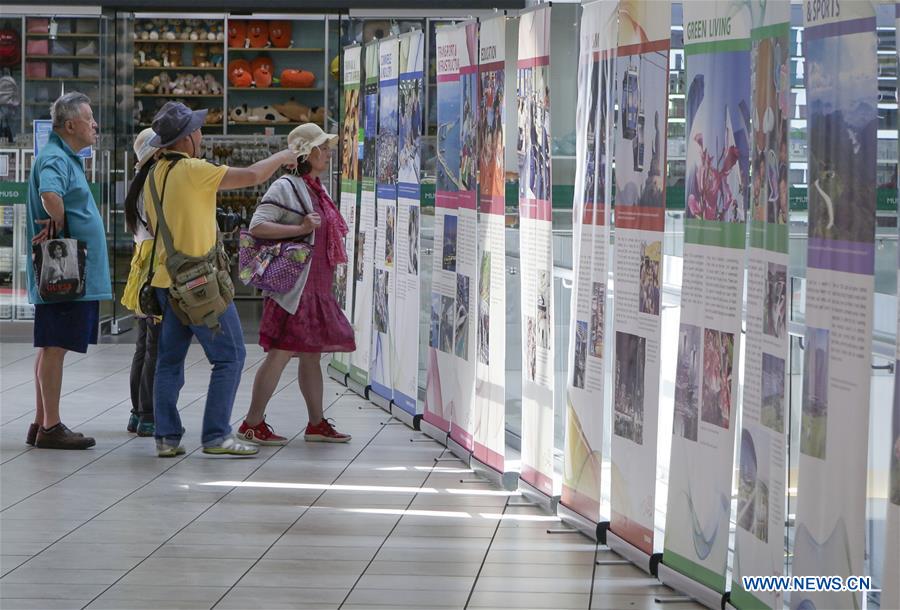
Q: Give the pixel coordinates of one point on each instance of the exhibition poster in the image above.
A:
(841, 68)
(490, 365)
(593, 186)
(405, 367)
(350, 105)
(642, 79)
(890, 587)
(762, 446)
(717, 192)
(462, 423)
(533, 149)
(448, 331)
(364, 271)
(383, 351)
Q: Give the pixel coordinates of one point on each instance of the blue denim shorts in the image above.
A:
(71, 325)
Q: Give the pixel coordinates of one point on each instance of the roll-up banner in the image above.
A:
(590, 243)
(717, 108)
(642, 75)
(762, 455)
(490, 369)
(383, 351)
(890, 586)
(841, 71)
(343, 284)
(535, 249)
(405, 368)
(442, 385)
(364, 272)
(462, 423)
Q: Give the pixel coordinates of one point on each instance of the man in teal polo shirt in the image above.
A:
(59, 197)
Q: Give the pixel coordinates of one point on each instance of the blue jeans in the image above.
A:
(224, 350)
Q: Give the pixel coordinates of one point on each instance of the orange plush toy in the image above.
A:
(258, 33)
(280, 34)
(237, 34)
(262, 77)
(260, 61)
(297, 79)
(239, 73)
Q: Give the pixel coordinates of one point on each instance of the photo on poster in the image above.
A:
(771, 103)
(629, 383)
(530, 348)
(410, 129)
(753, 485)
(434, 335)
(468, 155)
(369, 157)
(718, 362)
(484, 308)
(58, 266)
(349, 135)
(814, 422)
(370, 130)
(649, 290)
(359, 268)
(842, 122)
(543, 309)
(412, 229)
(895, 445)
(580, 365)
(533, 144)
(448, 320)
(462, 316)
(387, 136)
(718, 123)
(772, 415)
(592, 143)
(382, 314)
(687, 382)
(339, 285)
(598, 307)
(390, 235)
(448, 137)
(449, 255)
(642, 81)
(490, 134)
(775, 312)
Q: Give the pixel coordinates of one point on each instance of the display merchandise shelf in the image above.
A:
(275, 88)
(176, 97)
(180, 68)
(276, 50)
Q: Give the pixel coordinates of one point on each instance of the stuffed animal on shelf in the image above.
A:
(280, 34)
(213, 87)
(239, 73)
(237, 34)
(201, 57)
(175, 60)
(260, 114)
(258, 34)
(317, 115)
(262, 60)
(216, 54)
(297, 79)
(262, 77)
(294, 110)
(214, 116)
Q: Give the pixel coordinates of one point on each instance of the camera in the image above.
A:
(228, 221)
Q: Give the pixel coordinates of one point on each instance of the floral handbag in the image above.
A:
(270, 264)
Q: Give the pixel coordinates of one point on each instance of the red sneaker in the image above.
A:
(261, 434)
(324, 432)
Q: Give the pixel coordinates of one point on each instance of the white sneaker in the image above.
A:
(232, 447)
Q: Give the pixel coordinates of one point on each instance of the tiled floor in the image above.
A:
(374, 523)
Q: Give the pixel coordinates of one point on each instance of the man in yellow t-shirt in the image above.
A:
(187, 189)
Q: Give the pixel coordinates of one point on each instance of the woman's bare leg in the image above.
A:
(309, 376)
(265, 382)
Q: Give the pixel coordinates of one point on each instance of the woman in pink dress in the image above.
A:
(306, 321)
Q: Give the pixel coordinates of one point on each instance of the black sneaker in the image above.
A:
(60, 437)
(32, 434)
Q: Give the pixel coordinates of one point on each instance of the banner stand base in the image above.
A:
(509, 481)
(464, 455)
(579, 522)
(337, 375)
(362, 390)
(630, 552)
(682, 584)
(541, 500)
(377, 399)
(434, 432)
(406, 417)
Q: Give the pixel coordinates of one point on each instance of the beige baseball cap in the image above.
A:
(304, 138)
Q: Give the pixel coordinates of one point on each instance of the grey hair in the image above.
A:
(67, 107)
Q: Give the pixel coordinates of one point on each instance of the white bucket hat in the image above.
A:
(304, 138)
(143, 150)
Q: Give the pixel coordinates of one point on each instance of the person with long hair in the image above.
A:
(143, 363)
(307, 320)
